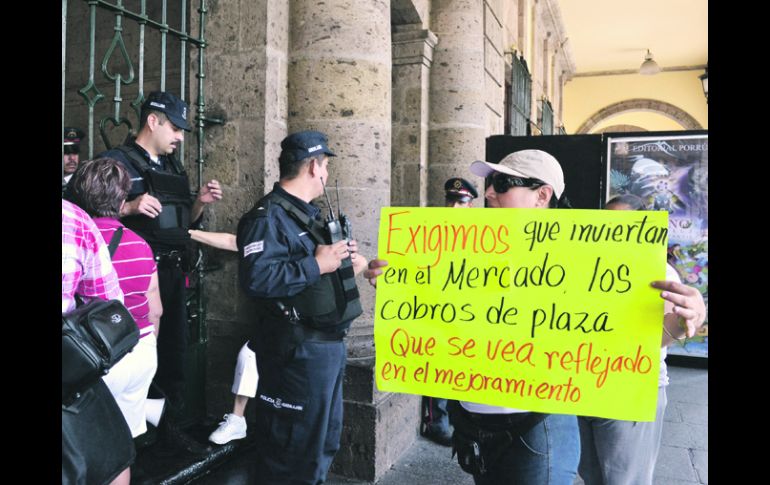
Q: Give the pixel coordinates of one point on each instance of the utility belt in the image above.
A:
(308, 333)
(480, 440)
(302, 328)
(278, 333)
(519, 423)
(169, 259)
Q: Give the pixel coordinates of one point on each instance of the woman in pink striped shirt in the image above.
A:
(100, 187)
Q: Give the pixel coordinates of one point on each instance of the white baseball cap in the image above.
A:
(526, 164)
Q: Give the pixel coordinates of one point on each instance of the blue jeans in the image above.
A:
(548, 454)
(619, 452)
(434, 413)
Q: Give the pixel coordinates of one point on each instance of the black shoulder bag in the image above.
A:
(95, 336)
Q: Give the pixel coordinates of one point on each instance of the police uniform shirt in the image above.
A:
(277, 256)
(137, 183)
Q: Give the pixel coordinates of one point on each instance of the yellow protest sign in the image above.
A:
(544, 310)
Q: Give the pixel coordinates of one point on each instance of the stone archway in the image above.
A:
(640, 104)
(621, 129)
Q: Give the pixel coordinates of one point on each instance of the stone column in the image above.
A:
(412, 59)
(339, 77)
(458, 115)
(245, 85)
(339, 83)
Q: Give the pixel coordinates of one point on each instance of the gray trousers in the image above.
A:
(615, 452)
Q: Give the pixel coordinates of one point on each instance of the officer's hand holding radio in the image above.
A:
(330, 256)
(352, 248)
(145, 204)
(358, 260)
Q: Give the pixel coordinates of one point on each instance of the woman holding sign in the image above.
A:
(500, 445)
(625, 452)
(542, 448)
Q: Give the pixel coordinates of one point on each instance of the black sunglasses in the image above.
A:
(452, 198)
(502, 182)
(70, 149)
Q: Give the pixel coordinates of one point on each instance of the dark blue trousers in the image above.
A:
(299, 412)
(172, 337)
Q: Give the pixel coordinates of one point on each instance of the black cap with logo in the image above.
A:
(304, 144)
(174, 108)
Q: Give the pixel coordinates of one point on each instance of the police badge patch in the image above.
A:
(255, 247)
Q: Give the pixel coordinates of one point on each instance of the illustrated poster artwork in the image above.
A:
(670, 173)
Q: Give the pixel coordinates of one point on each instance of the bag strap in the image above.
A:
(115, 241)
(314, 228)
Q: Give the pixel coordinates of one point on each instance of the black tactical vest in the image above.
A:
(173, 192)
(332, 303)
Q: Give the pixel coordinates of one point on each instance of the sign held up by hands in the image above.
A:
(544, 310)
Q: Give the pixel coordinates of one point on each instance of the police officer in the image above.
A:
(161, 209)
(71, 156)
(299, 271)
(458, 192)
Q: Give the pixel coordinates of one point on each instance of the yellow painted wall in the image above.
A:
(642, 119)
(584, 96)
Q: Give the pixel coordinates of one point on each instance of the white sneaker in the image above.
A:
(232, 428)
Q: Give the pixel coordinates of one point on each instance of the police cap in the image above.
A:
(72, 137)
(304, 144)
(174, 108)
(457, 188)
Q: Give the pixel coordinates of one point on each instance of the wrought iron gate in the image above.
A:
(117, 81)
